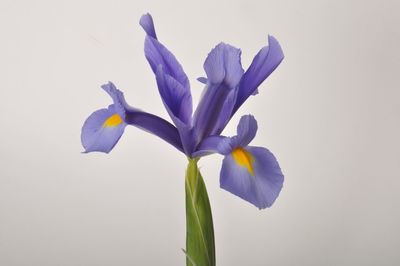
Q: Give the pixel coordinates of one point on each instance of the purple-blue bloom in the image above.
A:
(252, 173)
(249, 172)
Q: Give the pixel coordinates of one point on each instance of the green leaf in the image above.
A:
(200, 246)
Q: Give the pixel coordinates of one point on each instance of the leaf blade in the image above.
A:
(200, 243)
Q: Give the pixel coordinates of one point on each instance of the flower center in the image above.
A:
(113, 121)
(244, 159)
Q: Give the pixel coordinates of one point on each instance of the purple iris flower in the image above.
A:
(252, 173)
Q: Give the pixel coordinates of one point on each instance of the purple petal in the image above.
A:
(206, 121)
(258, 181)
(97, 135)
(246, 130)
(146, 21)
(223, 65)
(214, 144)
(177, 100)
(264, 63)
(102, 130)
(118, 98)
(224, 72)
(202, 80)
(132, 116)
(157, 54)
(155, 125)
(225, 113)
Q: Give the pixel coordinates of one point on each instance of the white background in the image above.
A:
(330, 114)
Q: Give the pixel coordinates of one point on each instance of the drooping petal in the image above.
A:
(102, 130)
(146, 121)
(253, 174)
(224, 71)
(132, 116)
(155, 125)
(264, 63)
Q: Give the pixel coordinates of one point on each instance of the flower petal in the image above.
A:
(130, 115)
(223, 65)
(253, 174)
(264, 63)
(146, 21)
(157, 54)
(224, 71)
(118, 98)
(176, 98)
(175, 87)
(246, 130)
(155, 125)
(206, 121)
(225, 113)
(202, 80)
(214, 144)
(177, 101)
(102, 130)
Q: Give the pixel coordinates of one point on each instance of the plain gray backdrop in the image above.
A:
(330, 114)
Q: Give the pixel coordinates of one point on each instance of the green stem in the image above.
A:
(200, 246)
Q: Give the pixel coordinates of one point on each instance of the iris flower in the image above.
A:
(249, 172)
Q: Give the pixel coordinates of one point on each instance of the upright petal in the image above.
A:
(158, 55)
(224, 71)
(246, 130)
(102, 130)
(225, 113)
(177, 100)
(253, 174)
(223, 65)
(118, 98)
(146, 21)
(264, 63)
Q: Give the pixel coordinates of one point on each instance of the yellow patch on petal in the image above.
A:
(244, 159)
(113, 121)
